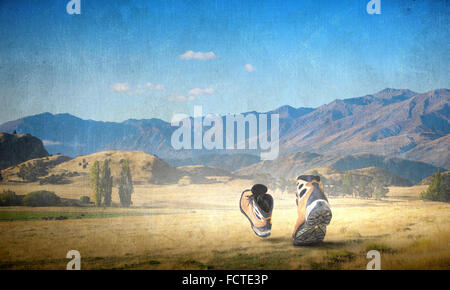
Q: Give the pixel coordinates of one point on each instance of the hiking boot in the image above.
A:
(314, 213)
(257, 206)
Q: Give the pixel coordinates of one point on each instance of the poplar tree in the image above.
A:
(94, 175)
(125, 184)
(106, 181)
(347, 183)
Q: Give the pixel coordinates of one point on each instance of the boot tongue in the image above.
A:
(265, 202)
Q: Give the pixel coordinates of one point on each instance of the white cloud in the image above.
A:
(138, 89)
(121, 87)
(181, 99)
(199, 92)
(198, 55)
(50, 142)
(154, 87)
(249, 68)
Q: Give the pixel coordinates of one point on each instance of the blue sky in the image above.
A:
(144, 59)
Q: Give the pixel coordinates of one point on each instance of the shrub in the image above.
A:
(41, 198)
(32, 171)
(85, 199)
(9, 198)
(54, 179)
(339, 256)
(69, 202)
(382, 248)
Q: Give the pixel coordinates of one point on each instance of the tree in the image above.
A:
(85, 199)
(106, 183)
(9, 198)
(438, 190)
(41, 198)
(32, 170)
(125, 184)
(94, 175)
(364, 188)
(333, 187)
(379, 188)
(347, 183)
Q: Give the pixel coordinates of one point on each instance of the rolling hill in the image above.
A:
(230, 162)
(381, 174)
(292, 165)
(145, 169)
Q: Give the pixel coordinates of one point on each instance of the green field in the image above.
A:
(8, 216)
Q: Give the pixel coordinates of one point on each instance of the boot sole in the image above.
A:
(255, 230)
(314, 229)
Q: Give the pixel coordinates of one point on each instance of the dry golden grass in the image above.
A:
(201, 227)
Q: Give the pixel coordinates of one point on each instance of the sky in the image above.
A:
(152, 59)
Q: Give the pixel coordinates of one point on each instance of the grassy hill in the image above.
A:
(46, 164)
(230, 162)
(204, 170)
(384, 175)
(145, 169)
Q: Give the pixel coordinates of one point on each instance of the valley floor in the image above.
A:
(201, 227)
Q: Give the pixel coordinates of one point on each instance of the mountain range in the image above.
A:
(392, 123)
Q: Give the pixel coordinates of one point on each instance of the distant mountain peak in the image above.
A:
(393, 91)
(287, 111)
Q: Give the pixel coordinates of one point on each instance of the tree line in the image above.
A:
(102, 183)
